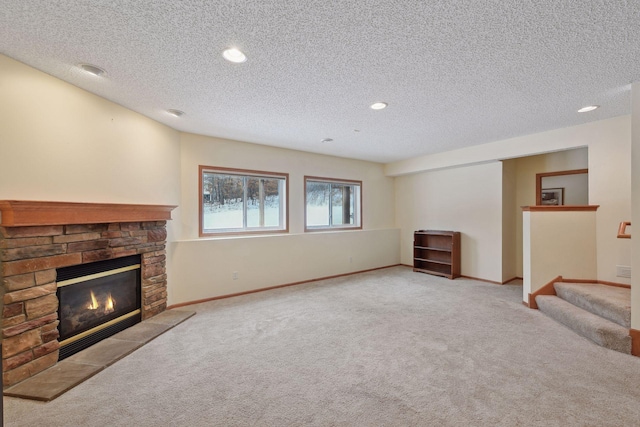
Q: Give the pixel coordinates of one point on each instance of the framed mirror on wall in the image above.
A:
(560, 188)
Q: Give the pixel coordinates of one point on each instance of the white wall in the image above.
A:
(558, 244)
(203, 268)
(609, 145)
(61, 143)
(466, 199)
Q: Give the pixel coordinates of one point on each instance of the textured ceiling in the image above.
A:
(454, 73)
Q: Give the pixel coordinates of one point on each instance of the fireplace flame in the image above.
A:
(110, 305)
(93, 305)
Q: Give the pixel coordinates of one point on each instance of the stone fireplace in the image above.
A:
(37, 239)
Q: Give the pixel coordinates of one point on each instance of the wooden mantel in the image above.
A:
(18, 213)
(562, 208)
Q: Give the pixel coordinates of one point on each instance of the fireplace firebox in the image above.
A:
(97, 300)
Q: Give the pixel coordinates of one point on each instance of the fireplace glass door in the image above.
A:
(96, 301)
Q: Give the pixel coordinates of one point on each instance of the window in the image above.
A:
(242, 201)
(332, 204)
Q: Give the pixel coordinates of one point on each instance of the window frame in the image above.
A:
(242, 173)
(356, 226)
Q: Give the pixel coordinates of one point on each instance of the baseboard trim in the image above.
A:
(615, 284)
(482, 280)
(493, 282)
(600, 282)
(635, 342)
(547, 289)
(184, 304)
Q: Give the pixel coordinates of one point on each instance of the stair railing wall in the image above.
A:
(557, 241)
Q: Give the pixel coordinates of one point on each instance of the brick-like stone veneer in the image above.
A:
(29, 257)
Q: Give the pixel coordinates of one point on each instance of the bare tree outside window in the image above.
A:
(236, 201)
(332, 204)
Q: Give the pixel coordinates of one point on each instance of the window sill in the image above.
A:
(243, 233)
(331, 229)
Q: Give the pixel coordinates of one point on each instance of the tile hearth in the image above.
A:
(72, 371)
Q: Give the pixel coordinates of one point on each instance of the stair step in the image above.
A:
(599, 330)
(611, 302)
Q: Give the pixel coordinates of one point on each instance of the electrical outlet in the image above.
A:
(350, 259)
(235, 275)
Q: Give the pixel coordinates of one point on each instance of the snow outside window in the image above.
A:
(332, 204)
(240, 201)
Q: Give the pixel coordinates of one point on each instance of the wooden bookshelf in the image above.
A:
(437, 252)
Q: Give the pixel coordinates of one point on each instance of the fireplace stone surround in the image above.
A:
(36, 238)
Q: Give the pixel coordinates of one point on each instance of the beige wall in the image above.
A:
(510, 226)
(635, 197)
(558, 244)
(609, 146)
(203, 268)
(61, 143)
(610, 188)
(377, 189)
(466, 199)
(526, 169)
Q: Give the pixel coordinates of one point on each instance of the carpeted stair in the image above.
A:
(600, 313)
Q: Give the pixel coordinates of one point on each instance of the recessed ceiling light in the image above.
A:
(234, 55)
(175, 113)
(588, 108)
(324, 141)
(378, 105)
(92, 69)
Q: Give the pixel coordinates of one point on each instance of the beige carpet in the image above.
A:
(385, 348)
